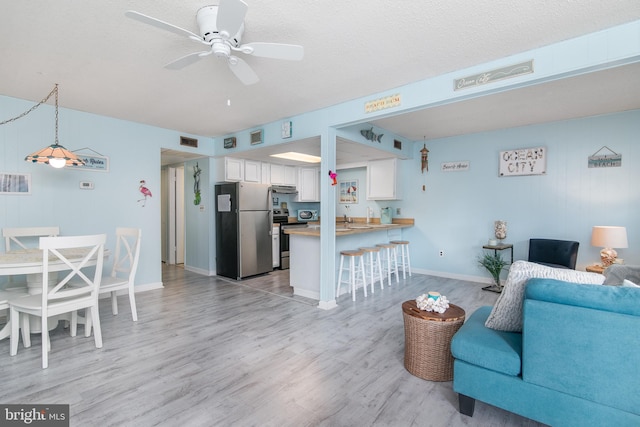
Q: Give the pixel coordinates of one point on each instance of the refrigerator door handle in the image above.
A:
(269, 199)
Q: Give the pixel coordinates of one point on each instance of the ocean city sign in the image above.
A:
(523, 161)
(494, 75)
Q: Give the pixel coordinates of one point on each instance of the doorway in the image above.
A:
(172, 216)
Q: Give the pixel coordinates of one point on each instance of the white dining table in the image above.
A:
(29, 263)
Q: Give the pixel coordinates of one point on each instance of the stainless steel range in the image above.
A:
(281, 216)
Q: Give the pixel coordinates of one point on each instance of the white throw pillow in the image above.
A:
(507, 312)
(629, 284)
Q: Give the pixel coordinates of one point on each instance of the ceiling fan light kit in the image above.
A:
(221, 28)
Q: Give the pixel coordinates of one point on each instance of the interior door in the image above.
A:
(180, 226)
(175, 237)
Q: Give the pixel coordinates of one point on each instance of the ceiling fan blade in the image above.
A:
(189, 59)
(243, 71)
(289, 52)
(231, 15)
(161, 24)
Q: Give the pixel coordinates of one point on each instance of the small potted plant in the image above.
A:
(494, 265)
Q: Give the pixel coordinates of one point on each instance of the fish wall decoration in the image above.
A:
(371, 136)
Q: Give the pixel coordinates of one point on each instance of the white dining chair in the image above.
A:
(5, 296)
(20, 236)
(60, 298)
(125, 265)
(25, 238)
(122, 276)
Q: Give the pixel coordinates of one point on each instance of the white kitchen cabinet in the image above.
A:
(233, 169)
(382, 179)
(265, 169)
(277, 174)
(308, 185)
(276, 246)
(283, 175)
(252, 171)
(290, 175)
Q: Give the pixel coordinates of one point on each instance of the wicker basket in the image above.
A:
(427, 343)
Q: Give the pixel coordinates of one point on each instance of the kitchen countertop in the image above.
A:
(352, 228)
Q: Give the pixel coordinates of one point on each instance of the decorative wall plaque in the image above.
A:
(230, 142)
(613, 160)
(494, 75)
(523, 161)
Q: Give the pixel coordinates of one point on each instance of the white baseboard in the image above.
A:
(199, 270)
(306, 293)
(477, 279)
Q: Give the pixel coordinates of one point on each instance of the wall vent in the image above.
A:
(189, 142)
(256, 137)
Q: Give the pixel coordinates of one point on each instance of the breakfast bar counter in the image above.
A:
(304, 273)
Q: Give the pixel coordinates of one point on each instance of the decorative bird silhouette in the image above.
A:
(333, 177)
(145, 192)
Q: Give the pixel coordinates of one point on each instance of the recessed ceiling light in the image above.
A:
(292, 155)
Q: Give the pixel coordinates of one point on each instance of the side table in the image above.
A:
(495, 249)
(595, 269)
(427, 340)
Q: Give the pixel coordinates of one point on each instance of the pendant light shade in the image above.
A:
(55, 154)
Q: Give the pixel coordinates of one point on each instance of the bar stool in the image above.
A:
(373, 264)
(405, 260)
(390, 260)
(353, 280)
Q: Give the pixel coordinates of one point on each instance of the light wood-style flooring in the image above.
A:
(210, 351)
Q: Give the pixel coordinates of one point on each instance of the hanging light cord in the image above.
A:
(53, 92)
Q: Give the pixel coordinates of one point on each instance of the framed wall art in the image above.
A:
(15, 183)
(348, 191)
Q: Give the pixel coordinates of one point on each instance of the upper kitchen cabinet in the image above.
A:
(283, 175)
(252, 171)
(382, 179)
(308, 185)
(229, 169)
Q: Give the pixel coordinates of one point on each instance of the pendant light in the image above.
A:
(55, 154)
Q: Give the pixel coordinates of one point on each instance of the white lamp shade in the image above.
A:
(605, 236)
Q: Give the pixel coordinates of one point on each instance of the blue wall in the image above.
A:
(56, 198)
(457, 210)
(455, 213)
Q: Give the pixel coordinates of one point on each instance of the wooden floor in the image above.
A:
(209, 351)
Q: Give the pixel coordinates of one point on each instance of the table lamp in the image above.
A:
(609, 237)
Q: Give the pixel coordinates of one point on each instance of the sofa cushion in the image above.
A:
(584, 341)
(616, 274)
(478, 345)
(507, 312)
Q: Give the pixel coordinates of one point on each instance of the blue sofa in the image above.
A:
(576, 362)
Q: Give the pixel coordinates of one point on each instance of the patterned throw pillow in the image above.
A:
(507, 312)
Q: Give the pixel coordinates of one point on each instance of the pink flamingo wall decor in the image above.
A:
(145, 192)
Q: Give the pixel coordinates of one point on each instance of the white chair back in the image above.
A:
(76, 252)
(127, 255)
(20, 236)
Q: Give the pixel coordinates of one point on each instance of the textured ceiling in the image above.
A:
(108, 64)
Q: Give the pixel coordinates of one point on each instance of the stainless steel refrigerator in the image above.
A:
(244, 223)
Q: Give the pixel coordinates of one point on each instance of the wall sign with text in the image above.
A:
(523, 161)
(93, 163)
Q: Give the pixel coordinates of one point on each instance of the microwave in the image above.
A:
(307, 215)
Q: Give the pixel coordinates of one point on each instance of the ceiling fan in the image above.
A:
(221, 27)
